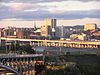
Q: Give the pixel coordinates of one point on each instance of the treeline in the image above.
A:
(79, 69)
(85, 64)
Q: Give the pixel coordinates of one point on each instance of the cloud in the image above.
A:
(85, 0)
(5, 12)
(65, 9)
(40, 1)
(66, 5)
(30, 1)
(58, 6)
(42, 14)
(19, 6)
(71, 5)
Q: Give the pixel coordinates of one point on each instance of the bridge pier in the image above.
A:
(85, 46)
(48, 44)
(38, 43)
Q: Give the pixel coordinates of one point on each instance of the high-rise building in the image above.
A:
(61, 31)
(45, 30)
(90, 27)
(51, 22)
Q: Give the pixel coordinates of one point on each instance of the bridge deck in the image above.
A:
(51, 41)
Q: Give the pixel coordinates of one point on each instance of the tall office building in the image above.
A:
(50, 22)
(45, 30)
(90, 27)
(61, 31)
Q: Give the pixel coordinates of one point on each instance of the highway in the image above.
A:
(54, 41)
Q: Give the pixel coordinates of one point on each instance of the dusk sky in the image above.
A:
(22, 13)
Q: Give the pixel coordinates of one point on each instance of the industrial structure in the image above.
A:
(13, 64)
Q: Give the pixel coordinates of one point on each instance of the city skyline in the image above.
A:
(23, 13)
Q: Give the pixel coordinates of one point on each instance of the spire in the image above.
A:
(35, 25)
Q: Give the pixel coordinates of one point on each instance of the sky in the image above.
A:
(23, 13)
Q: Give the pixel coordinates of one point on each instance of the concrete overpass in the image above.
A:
(64, 43)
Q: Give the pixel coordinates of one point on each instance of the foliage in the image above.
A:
(86, 64)
(25, 48)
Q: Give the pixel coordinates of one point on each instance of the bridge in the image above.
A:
(13, 64)
(58, 43)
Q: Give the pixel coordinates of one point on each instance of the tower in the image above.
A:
(35, 25)
(51, 22)
(45, 30)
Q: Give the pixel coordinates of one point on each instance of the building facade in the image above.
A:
(50, 22)
(46, 30)
(90, 27)
(96, 35)
(49, 28)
